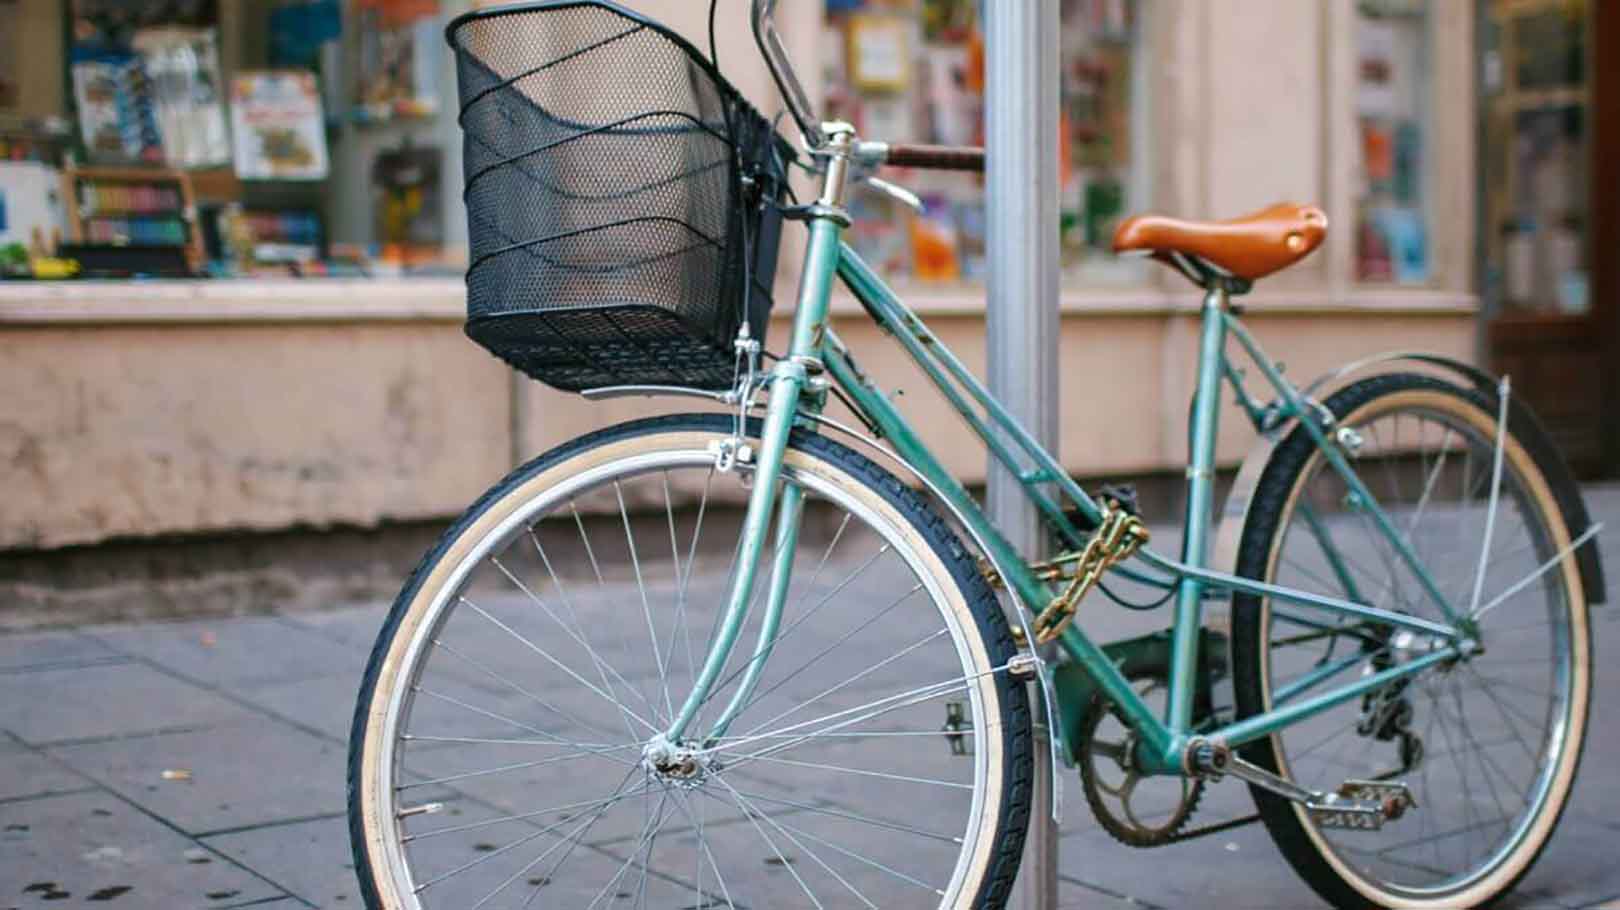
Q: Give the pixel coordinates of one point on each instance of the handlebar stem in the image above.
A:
(837, 147)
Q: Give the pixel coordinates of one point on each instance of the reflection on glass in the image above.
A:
(913, 71)
(1393, 103)
(1534, 77)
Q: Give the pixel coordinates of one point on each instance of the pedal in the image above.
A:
(1331, 810)
(1359, 805)
(1393, 798)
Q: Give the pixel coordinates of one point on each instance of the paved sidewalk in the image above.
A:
(201, 764)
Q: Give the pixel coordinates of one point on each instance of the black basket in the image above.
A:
(621, 198)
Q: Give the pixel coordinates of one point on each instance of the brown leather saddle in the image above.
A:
(1247, 248)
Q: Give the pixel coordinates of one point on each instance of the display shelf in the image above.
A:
(97, 197)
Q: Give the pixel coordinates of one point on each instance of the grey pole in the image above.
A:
(1021, 136)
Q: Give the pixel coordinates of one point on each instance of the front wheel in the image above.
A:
(500, 754)
(1488, 744)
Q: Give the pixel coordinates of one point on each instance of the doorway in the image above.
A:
(1547, 241)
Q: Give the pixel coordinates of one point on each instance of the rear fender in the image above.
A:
(1522, 422)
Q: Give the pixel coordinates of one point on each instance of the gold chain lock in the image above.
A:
(1119, 536)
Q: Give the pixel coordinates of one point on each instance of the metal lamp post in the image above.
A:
(1021, 137)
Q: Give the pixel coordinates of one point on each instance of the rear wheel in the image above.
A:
(500, 748)
(1489, 745)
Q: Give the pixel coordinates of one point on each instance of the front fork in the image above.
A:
(790, 381)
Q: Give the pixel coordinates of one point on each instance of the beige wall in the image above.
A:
(115, 431)
(183, 408)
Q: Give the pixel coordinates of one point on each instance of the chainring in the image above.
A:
(1112, 803)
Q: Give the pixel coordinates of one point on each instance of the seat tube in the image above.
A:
(1202, 432)
(789, 379)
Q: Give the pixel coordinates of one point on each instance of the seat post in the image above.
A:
(1202, 433)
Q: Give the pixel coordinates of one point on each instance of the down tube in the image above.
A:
(899, 433)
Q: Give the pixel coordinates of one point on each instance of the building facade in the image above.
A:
(140, 410)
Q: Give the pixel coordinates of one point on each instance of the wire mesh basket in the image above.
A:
(621, 198)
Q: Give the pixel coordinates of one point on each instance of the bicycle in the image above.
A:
(544, 719)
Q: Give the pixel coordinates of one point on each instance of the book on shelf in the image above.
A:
(278, 126)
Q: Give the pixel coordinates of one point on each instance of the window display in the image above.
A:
(279, 129)
(1536, 158)
(913, 71)
(292, 137)
(1393, 86)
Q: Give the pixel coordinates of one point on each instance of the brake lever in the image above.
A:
(894, 191)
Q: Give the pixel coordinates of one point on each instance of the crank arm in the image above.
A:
(1358, 804)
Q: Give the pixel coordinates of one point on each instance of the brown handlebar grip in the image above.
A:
(938, 157)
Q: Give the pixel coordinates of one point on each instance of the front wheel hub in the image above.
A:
(676, 763)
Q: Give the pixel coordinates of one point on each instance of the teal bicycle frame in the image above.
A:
(798, 387)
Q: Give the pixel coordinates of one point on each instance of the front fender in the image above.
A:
(1522, 422)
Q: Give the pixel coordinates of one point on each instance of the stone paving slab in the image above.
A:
(26, 773)
(233, 653)
(91, 850)
(310, 859)
(103, 701)
(324, 705)
(246, 772)
(356, 626)
(39, 650)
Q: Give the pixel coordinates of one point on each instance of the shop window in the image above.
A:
(1536, 93)
(913, 71)
(1394, 90)
(242, 139)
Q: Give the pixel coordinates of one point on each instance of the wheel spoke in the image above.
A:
(602, 666)
(814, 857)
(774, 849)
(556, 663)
(782, 634)
(602, 806)
(852, 816)
(646, 606)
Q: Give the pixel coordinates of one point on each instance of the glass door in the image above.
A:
(1537, 156)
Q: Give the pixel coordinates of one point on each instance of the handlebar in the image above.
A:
(936, 157)
(930, 157)
(776, 57)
